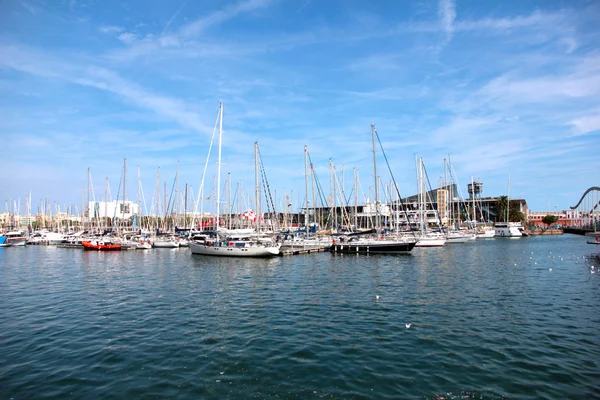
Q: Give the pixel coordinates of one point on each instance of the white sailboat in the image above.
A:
(233, 245)
(426, 238)
(366, 243)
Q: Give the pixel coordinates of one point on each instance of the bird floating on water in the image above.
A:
(407, 325)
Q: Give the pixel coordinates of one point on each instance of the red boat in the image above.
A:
(87, 245)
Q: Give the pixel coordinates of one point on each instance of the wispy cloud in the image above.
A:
(534, 19)
(449, 24)
(198, 26)
(103, 79)
(587, 123)
(153, 44)
(170, 21)
(127, 37)
(447, 15)
(581, 83)
(33, 8)
(111, 29)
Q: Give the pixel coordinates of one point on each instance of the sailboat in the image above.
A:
(233, 245)
(426, 238)
(365, 242)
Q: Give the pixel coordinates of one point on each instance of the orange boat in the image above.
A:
(87, 245)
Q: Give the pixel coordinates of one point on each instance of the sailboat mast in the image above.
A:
(332, 196)
(139, 220)
(124, 188)
(355, 200)
(473, 194)
(175, 208)
(418, 210)
(106, 204)
(219, 166)
(229, 208)
(88, 201)
(314, 199)
(377, 222)
(256, 197)
(508, 201)
(306, 190)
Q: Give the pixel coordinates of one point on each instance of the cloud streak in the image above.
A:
(447, 15)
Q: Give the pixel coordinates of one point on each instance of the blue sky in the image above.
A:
(504, 88)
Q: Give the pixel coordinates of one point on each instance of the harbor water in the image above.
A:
(499, 318)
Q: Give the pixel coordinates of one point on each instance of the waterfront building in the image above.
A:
(113, 209)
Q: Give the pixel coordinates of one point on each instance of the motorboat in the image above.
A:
(508, 229)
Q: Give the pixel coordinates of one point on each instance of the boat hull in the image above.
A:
(509, 232)
(100, 246)
(16, 242)
(487, 234)
(431, 242)
(165, 245)
(373, 247)
(233, 251)
(460, 238)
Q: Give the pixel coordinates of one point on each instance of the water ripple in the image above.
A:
(489, 320)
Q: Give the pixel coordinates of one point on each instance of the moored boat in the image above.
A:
(460, 237)
(485, 233)
(236, 246)
(431, 239)
(508, 229)
(165, 243)
(136, 242)
(596, 239)
(355, 245)
(233, 245)
(15, 238)
(101, 245)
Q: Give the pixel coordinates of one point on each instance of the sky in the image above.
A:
(508, 91)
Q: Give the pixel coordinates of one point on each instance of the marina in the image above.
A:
(261, 199)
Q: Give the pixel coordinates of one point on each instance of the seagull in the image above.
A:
(550, 269)
(407, 325)
(376, 297)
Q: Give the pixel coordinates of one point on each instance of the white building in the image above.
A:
(113, 209)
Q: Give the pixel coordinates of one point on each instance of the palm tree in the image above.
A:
(515, 213)
(501, 208)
